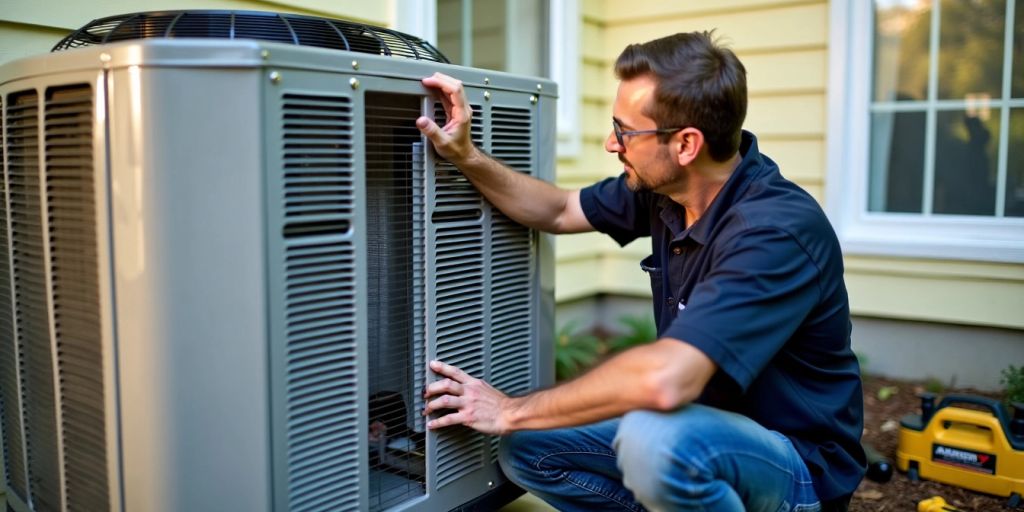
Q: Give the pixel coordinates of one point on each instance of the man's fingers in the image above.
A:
(444, 402)
(455, 418)
(449, 371)
(429, 128)
(454, 97)
(444, 386)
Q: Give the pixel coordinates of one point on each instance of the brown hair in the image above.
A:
(699, 84)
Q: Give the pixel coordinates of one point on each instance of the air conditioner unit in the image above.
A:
(230, 254)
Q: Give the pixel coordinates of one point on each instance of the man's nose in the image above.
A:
(611, 144)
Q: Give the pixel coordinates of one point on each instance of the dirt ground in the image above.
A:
(900, 494)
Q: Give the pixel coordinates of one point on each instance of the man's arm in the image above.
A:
(660, 376)
(527, 200)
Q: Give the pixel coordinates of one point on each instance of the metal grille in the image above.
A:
(458, 286)
(32, 315)
(268, 26)
(320, 310)
(394, 247)
(511, 265)
(12, 352)
(74, 267)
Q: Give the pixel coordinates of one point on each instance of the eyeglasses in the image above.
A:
(620, 133)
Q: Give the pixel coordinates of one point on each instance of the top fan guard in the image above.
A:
(267, 26)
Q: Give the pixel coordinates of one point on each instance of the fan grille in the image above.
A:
(266, 26)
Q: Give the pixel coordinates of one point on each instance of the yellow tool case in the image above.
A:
(982, 450)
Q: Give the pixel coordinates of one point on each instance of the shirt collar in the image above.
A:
(672, 213)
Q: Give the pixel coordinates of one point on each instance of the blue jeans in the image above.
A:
(694, 458)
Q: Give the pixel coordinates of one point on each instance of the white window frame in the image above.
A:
(963, 237)
(419, 18)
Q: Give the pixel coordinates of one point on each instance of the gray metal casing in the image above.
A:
(192, 310)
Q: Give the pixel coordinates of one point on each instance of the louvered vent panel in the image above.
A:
(454, 191)
(511, 265)
(511, 137)
(74, 266)
(30, 304)
(320, 310)
(12, 351)
(318, 163)
(321, 388)
(460, 329)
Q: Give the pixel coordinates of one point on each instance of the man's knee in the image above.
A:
(648, 451)
(516, 456)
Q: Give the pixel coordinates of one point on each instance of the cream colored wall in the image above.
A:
(784, 46)
(30, 27)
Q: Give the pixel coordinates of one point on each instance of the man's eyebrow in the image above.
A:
(621, 124)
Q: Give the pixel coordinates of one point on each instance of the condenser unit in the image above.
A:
(230, 254)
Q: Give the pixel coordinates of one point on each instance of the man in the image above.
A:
(751, 398)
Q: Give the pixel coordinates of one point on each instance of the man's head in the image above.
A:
(677, 85)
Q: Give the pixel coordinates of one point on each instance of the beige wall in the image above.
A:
(784, 46)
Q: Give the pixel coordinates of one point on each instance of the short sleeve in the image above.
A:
(616, 211)
(760, 289)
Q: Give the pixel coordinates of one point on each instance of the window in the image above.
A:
(528, 37)
(926, 135)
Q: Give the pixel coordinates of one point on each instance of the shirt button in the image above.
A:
(677, 251)
(670, 301)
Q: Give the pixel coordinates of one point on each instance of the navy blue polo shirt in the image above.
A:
(757, 285)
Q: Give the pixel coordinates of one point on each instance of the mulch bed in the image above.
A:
(900, 494)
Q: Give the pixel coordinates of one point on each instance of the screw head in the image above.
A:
(540, 87)
(533, 99)
(265, 54)
(275, 77)
(355, 64)
(354, 82)
(487, 80)
(490, 484)
(487, 95)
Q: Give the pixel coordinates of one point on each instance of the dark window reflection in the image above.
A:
(971, 48)
(1015, 165)
(897, 162)
(1017, 76)
(902, 31)
(966, 145)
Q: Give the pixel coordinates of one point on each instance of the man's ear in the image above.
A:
(690, 141)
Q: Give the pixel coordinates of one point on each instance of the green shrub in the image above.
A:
(575, 351)
(638, 331)
(1013, 379)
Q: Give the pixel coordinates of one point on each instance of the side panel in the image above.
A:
(60, 415)
(316, 287)
(188, 249)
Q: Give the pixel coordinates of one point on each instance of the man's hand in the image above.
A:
(452, 141)
(475, 403)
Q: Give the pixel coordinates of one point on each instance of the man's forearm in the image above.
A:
(527, 200)
(660, 376)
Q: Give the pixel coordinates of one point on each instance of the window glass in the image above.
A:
(902, 31)
(935, 133)
(971, 49)
(966, 143)
(504, 35)
(1015, 165)
(897, 161)
(1017, 77)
